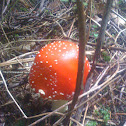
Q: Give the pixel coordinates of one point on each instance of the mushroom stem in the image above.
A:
(58, 103)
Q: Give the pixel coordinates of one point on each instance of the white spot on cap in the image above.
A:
(59, 42)
(49, 97)
(46, 61)
(59, 50)
(55, 48)
(45, 78)
(34, 63)
(39, 55)
(64, 47)
(50, 66)
(41, 62)
(53, 95)
(32, 81)
(41, 91)
(55, 73)
(61, 93)
(70, 44)
(73, 51)
(55, 60)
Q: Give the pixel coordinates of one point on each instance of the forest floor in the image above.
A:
(25, 27)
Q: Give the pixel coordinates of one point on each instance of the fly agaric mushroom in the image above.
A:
(54, 71)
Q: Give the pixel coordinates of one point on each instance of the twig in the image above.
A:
(118, 35)
(85, 113)
(61, 28)
(89, 10)
(71, 27)
(101, 120)
(8, 2)
(23, 55)
(41, 8)
(82, 45)
(113, 101)
(101, 76)
(118, 15)
(12, 96)
(101, 34)
(16, 61)
(5, 34)
(105, 85)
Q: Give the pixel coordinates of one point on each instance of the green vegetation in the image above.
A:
(16, 35)
(105, 114)
(102, 113)
(85, 4)
(23, 9)
(92, 123)
(105, 56)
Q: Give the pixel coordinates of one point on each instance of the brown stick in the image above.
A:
(101, 34)
(82, 44)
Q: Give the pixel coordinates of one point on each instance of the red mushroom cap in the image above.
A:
(54, 70)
